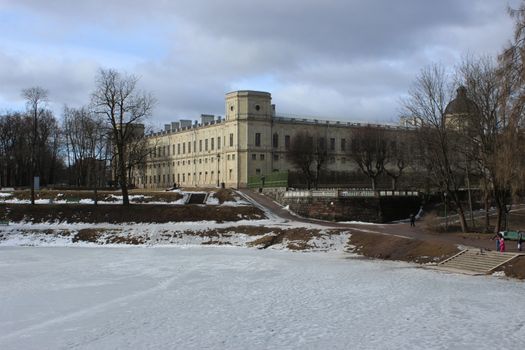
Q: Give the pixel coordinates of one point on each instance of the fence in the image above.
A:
(350, 193)
(277, 179)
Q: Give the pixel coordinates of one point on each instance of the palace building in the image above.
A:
(252, 140)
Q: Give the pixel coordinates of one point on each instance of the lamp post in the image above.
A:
(218, 160)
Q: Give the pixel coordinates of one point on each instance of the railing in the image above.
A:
(320, 121)
(348, 193)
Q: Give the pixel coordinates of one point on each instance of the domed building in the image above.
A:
(461, 111)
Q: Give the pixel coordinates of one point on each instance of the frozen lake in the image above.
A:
(237, 298)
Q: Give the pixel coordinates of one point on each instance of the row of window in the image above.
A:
(181, 148)
(287, 141)
(165, 179)
(188, 162)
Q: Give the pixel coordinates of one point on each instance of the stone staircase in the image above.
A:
(197, 198)
(476, 261)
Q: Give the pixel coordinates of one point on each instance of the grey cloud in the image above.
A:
(346, 59)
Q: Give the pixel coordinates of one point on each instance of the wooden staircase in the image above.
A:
(476, 261)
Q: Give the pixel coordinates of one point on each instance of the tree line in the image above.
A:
(482, 141)
(93, 146)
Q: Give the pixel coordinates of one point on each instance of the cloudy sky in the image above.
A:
(348, 60)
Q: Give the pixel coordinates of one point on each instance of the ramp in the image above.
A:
(476, 261)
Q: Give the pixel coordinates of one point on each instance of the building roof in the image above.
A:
(461, 104)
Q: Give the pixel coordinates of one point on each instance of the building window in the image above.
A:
(194, 146)
(200, 161)
(287, 141)
(254, 156)
(343, 144)
(233, 156)
(219, 142)
(178, 148)
(258, 171)
(230, 174)
(332, 144)
(231, 140)
(343, 160)
(275, 157)
(168, 149)
(322, 143)
(257, 107)
(212, 146)
(275, 140)
(261, 156)
(173, 149)
(189, 147)
(200, 145)
(258, 139)
(206, 144)
(183, 148)
(228, 157)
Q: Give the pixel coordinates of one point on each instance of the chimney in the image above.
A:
(207, 118)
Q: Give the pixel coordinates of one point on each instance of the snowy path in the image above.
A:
(235, 298)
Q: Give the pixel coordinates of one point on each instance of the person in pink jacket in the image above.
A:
(501, 244)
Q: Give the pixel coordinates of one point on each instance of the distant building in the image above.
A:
(251, 141)
(460, 112)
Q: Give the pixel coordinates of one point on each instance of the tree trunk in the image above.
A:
(499, 218)
(487, 213)
(462, 220)
(122, 176)
(461, 212)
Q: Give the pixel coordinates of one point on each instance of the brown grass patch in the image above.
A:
(113, 213)
(125, 240)
(224, 195)
(296, 238)
(399, 248)
(515, 268)
(87, 235)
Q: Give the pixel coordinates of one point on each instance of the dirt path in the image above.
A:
(398, 229)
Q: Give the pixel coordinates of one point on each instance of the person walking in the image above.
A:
(520, 240)
(496, 237)
(501, 244)
(412, 220)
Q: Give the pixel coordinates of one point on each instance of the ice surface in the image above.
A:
(236, 298)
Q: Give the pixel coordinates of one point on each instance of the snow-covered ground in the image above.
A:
(236, 298)
(10, 198)
(172, 233)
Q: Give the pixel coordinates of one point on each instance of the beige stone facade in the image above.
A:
(252, 140)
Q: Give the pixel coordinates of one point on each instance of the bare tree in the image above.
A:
(399, 156)
(490, 135)
(35, 97)
(369, 151)
(88, 146)
(124, 108)
(511, 104)
(302, 155)
(439, 146)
